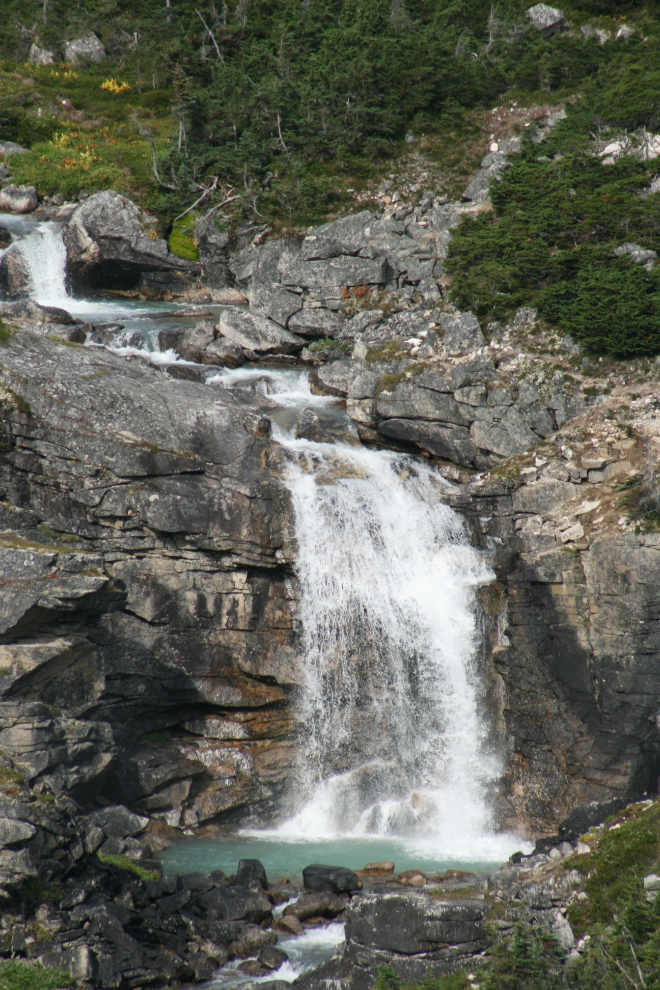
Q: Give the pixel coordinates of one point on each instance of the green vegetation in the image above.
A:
(16, 975)
(181, 240)
(126, 863)
(640, 502)
(5, 332)
(559, 213)
(293, 104)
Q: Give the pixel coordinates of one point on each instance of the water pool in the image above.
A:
(286, 860)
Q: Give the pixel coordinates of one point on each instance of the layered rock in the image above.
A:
(146, 598)
(574, 621)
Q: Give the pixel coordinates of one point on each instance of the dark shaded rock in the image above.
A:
(174, 902)
(168, 339)
(251, 874)
(335, 879)
(235, 904)
(272, 958)
(118, 822)
(213, 246)
(587, 816)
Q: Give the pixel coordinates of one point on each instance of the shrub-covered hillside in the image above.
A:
(300, 106)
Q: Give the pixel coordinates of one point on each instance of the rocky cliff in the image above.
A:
(147, 647)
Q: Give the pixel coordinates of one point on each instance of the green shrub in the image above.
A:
(550, 243)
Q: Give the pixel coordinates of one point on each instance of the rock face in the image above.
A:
(213, 244)
(18, 199)
(111, 244)
(577, 649)
(146, 591)
(304, 285)
(411, 933)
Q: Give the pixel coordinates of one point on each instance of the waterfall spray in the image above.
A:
(394, 742)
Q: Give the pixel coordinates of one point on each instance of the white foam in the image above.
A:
(396, 736)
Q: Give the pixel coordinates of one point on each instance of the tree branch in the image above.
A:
(211, 36)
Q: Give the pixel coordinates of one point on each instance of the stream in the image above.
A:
(396, 762)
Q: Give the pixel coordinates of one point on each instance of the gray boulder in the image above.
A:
(203, 345)
(14, 273)
(32, 311)
(462, 333)
(40, 56)
(18, 199)
(341, 237)
(85, 49)
(451, 443)
(315, 323)
(111, 242)
(638, 255)
(8, 148)
(408, 401)
(548, 20)
(334, 378)
(275, 303)
(335, 273)
(257, 334)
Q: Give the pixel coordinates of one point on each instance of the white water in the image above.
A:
(395, 743)
(45, 256)
(304, 951)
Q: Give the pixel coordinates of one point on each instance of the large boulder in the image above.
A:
(333, 879)
(257, 334)
(204, 345)
(112, 244)
(548, 20)
(18, 199)
(462, 333)
(414, 935)
(86, 49)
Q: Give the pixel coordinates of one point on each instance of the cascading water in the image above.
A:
(394, 740)
(45, 258)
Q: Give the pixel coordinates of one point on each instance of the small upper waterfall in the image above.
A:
(394, 735)
(44, 254)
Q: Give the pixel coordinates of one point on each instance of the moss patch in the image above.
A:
(16, 975)
(126, 863)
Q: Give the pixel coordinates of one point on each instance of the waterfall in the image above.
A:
(394, 741)
(45, 256)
